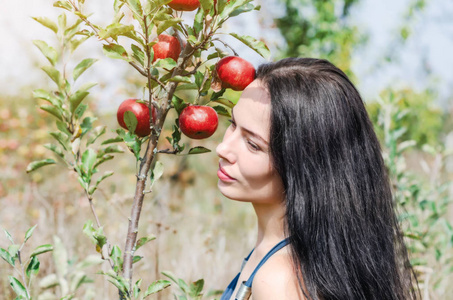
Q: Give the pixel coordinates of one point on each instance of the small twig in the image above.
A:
(90, 200)
(194, 70)
(140, 70)
(23, 274)
(226, 45)
(167, 151)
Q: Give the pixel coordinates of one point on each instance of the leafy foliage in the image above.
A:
(422, 202)
(318, 28)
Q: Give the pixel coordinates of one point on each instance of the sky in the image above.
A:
(429, 48)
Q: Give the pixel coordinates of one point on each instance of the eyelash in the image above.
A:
(254, 147)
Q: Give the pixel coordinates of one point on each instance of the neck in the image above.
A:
(270, 224)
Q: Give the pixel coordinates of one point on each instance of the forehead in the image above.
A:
(253, 109)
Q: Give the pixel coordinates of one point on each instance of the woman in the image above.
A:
(301, 148)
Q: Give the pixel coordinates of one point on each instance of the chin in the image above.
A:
(231, 193)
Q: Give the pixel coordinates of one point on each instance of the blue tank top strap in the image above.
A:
(248, 284)
(232, 286)
(277, 247)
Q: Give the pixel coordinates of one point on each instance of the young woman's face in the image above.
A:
(245, 169)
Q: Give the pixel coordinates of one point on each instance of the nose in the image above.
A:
(225, 149)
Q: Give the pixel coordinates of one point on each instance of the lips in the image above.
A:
(223, 175)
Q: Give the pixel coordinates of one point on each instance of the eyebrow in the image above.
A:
(250, 132)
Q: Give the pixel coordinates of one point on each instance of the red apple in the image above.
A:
(167, 46)
(141, 112)
(198, 122)
(235, 73)
(184, 5)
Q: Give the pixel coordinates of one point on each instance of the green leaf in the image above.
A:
(225, 102)
(6, 256)
(103, 160)
(170, 275)
(222, 111)
(114, 30)
(100, 179)
(156, 287)
(54, 74)
(242, 9)
(119, 285)
(88, 160)
(137, 288)
(131, 120)
(198, 150)
(76, 99)
(157, 172)
(33, 266)
(8, 236)
(62, 126)
(13, 250)
(82, 67)
(179, 78)
(110, 149)
(77, 280)
(96, 235)
(63, 4)
(115, 51)
(49, 52)
(49, 281)
(45, 95)
(98, 131)
(113, 140)
(47, 23)
(117, 4)
(187, 86)
(136, 258)
(198, 21)
(29, 233)
(87, 124)
(38, 164)
(199, 77)
(42, 249)
(75, 43)
(166, 63)
(52, 110)
(62, 19)
(253, 44)
(73, 29)
(178, 104)
(196, 288)
(135, 7)
(79, 96)
(152, 5)
(138, 54)
(167, 24)
(117, 258)
(206, 5)
(61, 138)
(55, 150)
(18, 288)
(144, 240)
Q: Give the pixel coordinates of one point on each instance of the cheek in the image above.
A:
(256, 167)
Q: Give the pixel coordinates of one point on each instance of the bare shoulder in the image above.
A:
(276, 279)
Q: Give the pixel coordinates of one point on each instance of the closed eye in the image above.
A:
(251, 144)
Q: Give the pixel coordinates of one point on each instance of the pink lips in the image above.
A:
(224, 175)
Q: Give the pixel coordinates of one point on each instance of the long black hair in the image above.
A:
(346, 242)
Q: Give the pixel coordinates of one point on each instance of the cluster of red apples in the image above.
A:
(195, 121)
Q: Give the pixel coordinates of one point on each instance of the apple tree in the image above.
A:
(172, 52)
